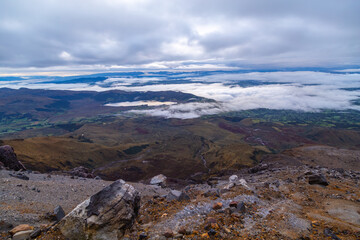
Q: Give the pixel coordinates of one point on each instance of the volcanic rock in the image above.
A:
(9, 158)
(82, 172)
(241, 207)
(233, 178)
(258, 168)
(21, 176)
(59, 213)
(105, 215)
(318, 179)
(212, 193)
(159, 180)
(177, 195)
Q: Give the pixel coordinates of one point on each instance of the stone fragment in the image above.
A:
(177, 195)
(105, 215)
(59, 213)
(19, 175)
(318, 179)
(159, 180)
(241, 207)
(258, 168)
(82, 172)
(233, 178)
(212, 193)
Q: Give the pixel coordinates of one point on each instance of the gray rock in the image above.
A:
(59, 213)
(318, 179)
(159, 180)
(258, 168)
(241, 207)
(233, 178)
(105, 215)
(82, 172)
(20, 176)
(177, 195)
(9, 158)
(214, 192)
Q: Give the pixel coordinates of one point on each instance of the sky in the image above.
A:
(109, 35)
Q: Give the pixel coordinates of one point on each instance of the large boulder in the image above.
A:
(9, 158)
(318, 179)
(159, 180)
(105, 215)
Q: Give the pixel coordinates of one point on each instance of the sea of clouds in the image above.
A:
(292, 90)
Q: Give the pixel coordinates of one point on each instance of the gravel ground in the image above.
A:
(27, 201)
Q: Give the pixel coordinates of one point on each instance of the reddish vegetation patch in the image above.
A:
(142, 131)
(233, 129)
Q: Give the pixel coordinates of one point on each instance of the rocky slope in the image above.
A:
(265, 202)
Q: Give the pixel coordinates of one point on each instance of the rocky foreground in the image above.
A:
(265, 202)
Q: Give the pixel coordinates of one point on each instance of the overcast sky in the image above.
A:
(96, 34)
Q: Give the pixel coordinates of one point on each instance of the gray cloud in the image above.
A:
(172, 33)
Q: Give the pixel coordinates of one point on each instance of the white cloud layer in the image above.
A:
(301, 90)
